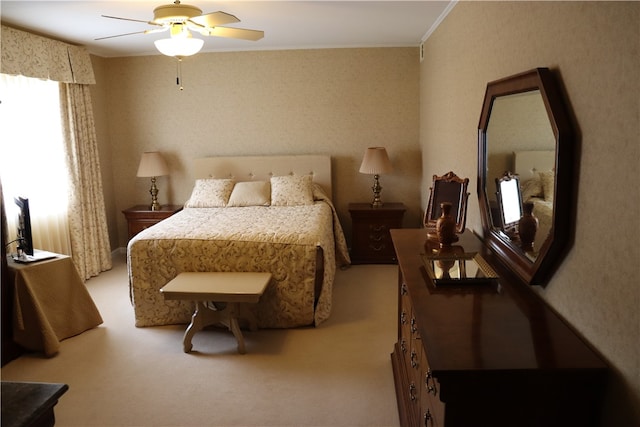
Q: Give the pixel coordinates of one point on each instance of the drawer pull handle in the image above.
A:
(377, 248)
(376, 237)
(403, 317)
(414, 329)
(414, 357)
(403, 289)
(403, 345)
(427, 417)
(412, 392)
(429, 383)
(378, 228)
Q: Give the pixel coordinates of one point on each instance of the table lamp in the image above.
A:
(376, 162)
(152, 165)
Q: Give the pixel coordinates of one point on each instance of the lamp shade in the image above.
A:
(152, 164)
(376, 161)
(179, 46)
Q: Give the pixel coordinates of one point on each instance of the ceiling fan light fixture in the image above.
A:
(179, 19)
(175, 12)
(179, 46)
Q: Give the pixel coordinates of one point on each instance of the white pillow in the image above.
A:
(291, 190)
(251, 193)
(532, 188)
(548, 179)
(210, 193)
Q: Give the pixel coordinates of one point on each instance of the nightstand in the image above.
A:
(140, 217)
(371, 242)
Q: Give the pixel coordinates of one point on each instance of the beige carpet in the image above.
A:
(338, 374)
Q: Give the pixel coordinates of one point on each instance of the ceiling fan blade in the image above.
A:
(120, 35)
(234, 33)
(155, 30)
(129, 19)
(214, 19)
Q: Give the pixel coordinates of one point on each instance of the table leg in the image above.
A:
(235, 328)
(205, 316)
(195, 326)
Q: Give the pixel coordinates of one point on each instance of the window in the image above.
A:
(32, 159)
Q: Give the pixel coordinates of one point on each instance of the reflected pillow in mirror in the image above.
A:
(291, 190)
(251, 193)
(532, 188)
(210, 193)
(548, 180)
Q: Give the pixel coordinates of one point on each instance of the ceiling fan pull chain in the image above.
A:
(179, 74)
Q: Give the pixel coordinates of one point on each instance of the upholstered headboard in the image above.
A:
(262, 168)
(528, 163)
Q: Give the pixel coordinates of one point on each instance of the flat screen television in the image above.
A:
(24, 237)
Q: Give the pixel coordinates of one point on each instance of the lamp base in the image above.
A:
(377, 189)
(155, 206)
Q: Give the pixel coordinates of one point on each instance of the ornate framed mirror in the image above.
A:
(452, 189)
(525, 131)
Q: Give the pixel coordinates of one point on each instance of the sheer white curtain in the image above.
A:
(32, 160)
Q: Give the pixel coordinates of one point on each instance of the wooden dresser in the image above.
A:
(491, 355)
(30, 404)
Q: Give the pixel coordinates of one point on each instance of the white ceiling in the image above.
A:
(287, 24)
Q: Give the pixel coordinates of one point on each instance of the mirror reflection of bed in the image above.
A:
(532, 182)
(535, 170)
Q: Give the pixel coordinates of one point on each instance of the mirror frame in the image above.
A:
(437, 196)
(508, 178)
(553, 250)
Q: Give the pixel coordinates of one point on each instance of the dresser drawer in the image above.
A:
(432, 409)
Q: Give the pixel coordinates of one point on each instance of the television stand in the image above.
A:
(51, 303)
(37, 256)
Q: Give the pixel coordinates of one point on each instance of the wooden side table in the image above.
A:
(140, 217)
(371, 241)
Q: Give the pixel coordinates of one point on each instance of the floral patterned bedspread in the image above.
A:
(543, 210)
(275, 239)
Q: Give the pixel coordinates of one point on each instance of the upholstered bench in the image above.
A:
(219, 298)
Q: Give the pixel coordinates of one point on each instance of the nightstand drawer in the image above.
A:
(137, 225)
(371, 241)
(140, 217)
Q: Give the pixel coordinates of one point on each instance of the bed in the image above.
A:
(264, 213)
(537, 181)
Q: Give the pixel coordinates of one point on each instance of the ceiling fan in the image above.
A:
(180, 19)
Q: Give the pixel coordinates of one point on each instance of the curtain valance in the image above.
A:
(30, 55)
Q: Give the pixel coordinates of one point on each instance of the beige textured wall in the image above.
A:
(327, 101)
(594, 46)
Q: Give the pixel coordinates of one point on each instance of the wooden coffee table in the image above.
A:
(219, 298)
